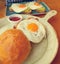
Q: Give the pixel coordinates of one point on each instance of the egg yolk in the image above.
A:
(22, 5)
(32, 27)
(37, 4)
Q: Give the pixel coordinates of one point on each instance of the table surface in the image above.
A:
(55, 22)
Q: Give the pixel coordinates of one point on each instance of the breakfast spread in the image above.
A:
(24, 35)
(16, 42)
(26, 41)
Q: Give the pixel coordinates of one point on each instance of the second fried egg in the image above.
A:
(34, 5)
(18, 7)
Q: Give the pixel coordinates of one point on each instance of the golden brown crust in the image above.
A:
(14, 47)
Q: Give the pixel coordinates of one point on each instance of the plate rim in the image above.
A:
(56, 48)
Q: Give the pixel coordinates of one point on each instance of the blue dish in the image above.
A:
(33, 12)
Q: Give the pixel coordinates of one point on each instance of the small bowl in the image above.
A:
(14, 19)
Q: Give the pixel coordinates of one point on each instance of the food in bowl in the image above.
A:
(14, 47)
(14, 18)
(34, 30)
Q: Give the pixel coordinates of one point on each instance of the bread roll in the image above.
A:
(14, 47)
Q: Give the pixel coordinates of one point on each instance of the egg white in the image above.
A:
(34, 37)
(17, 9)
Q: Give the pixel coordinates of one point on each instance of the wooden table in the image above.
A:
(2, 8)
(55, 22)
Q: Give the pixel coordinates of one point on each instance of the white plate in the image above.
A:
(44, 52)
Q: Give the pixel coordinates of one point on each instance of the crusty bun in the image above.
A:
(14, 47)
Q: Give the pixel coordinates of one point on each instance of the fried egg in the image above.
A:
(33, 30)
(34, 5)
(18, 7)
